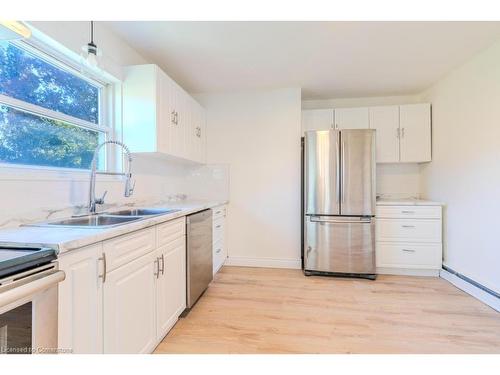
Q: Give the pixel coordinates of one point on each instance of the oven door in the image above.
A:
(28, 312)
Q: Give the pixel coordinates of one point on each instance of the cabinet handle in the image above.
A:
(162, 264)
(217, 212)
(398, 133)
(172, 117)
(407, 212)
(218, 251)
(402, 132)
(104, 268)
(408, 250)
(157, 266)
(217, 226)
(176, 118)
(408, 226)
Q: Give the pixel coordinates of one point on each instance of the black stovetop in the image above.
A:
(18, 259)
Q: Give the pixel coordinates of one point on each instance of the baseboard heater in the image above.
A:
(470, 281)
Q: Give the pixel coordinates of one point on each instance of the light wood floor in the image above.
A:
(258, 310)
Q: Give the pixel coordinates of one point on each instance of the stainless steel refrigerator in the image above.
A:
(339, 203)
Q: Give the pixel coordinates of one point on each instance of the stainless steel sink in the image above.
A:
(95, 221)
(142, 212)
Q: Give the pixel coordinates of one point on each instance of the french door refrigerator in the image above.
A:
(339, 203)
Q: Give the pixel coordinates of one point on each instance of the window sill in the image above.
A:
(10, 172)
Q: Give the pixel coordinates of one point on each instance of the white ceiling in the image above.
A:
(325, 59)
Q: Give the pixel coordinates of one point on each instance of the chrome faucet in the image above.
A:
(129, 188)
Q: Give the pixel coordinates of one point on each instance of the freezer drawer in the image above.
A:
(340, 244)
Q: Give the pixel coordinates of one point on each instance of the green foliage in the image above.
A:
(27, 138)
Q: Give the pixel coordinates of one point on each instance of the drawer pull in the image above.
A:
(217, 226)
(408, 250)
(407, 212)
(408, 226)
(218, 251)
(217, 212)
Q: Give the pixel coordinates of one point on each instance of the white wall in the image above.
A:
(258, 135)
(465, 170)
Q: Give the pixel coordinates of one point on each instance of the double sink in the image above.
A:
(108, 219)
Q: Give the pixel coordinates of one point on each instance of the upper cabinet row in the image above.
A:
(160, 117)
(403, 131)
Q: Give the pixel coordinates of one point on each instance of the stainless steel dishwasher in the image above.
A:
(199, 255)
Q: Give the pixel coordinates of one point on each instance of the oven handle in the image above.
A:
(29, 286)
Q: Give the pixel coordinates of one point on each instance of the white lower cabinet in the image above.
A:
(219, 254)
(80, 301)
(123, 295)
(409, 240)
(170, 286)
(130, 307)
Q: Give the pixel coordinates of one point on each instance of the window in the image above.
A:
(50, 114)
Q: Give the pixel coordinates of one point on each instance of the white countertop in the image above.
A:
(407, 202)
(64, 238)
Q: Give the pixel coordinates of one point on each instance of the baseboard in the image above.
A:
(474, 291)
(407, 271)
(263, 262)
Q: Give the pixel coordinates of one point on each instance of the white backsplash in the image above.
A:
(31, 196)
(398, 181)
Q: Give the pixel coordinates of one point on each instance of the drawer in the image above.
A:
(408, 255)
(409, 212)
(408, 230)
(171, 230)
(124, 249)
(219, 255)
(218, 229)
(219, 211)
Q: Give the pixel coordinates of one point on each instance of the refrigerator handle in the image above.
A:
(338, 170)
(343, 170)
(320, 219)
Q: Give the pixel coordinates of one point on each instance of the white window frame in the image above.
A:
(107, 101)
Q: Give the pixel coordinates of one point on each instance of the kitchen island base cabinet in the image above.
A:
(171, 285)
(80, 301)
(129, 307)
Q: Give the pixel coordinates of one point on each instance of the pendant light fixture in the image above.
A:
(91, 53)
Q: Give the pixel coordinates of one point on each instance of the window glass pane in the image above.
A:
(26, 77)
(26, 138)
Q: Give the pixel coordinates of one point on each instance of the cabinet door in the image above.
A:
(165, 115)
(317, 119)
(129, 307)
(415, 124)
(385, 120)
(177, 120)
(80, 301)
(352, 118)
(171, 285)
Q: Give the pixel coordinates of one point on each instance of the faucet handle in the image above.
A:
(101, 200)
(129, 187)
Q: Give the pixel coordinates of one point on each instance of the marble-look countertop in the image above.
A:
(407, 202)
(64, 239)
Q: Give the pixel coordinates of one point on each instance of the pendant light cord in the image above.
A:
(92, 32)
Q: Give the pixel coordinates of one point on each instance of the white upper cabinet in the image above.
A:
(415, 125)
(352, 118)
(385, 120)
(158, 115)
(403, 131)
(317, 119)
